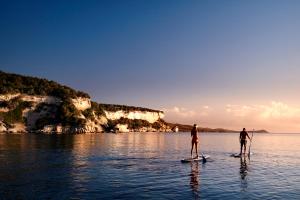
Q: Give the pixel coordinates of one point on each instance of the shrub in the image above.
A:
(16, 114)
(98, 108)
(3, 104)
(88, 113)
(68, 114)
(114, 108)
(111, 125)
(156, 125)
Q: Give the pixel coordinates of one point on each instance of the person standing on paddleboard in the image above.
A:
(243, 140)
(194, 140)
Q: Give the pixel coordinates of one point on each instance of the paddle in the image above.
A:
(250, 143)
(203, 158)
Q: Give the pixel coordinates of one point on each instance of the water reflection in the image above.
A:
(137, 166)
(194, 182)
(243, 172)
(34, 165)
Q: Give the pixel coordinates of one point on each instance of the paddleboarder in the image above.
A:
(194, 140)
(243, 140)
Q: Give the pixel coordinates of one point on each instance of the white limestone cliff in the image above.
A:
(123, 128)
(7, 97)
(92, 124)
(31, 98)
(151, 117)
(81, 103)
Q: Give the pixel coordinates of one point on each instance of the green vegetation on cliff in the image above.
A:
(100, 108)
(14, 83)
(114, 108)
(97, 108)
(64, 114)
(134, 124)
(15, 113)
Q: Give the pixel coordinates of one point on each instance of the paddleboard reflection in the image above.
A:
(194, 179)
(243, 172)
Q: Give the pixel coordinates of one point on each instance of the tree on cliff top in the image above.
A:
(14, 83)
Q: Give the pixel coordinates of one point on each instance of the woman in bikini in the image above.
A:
(194, 140)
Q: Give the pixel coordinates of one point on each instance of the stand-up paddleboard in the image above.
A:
(199, 159)
(237, 155)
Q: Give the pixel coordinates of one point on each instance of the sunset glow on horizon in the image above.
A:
(274, 117)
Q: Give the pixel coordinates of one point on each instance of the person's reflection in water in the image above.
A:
(243, 172)
(194, 182)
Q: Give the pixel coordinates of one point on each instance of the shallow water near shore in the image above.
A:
(147, 166)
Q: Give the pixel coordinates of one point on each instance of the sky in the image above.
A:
(229, 64)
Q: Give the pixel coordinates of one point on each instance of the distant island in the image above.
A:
(187, 128)
(30, 104)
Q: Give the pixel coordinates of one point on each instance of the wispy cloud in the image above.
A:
(241, 110)
(274, 110)
(180, 111)
(185, 115)
(276, 116)
(279, 110)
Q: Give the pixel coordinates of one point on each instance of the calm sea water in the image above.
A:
(147, 166)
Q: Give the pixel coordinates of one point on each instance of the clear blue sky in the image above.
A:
(160, 54)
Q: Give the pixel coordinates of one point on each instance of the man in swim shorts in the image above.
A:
(243, 140)
(194, 140)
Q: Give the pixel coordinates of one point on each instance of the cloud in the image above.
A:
(274, 110)
(182, 112)
(241, 110)
(279, 110)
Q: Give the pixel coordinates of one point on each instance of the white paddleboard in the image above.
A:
(187, 160)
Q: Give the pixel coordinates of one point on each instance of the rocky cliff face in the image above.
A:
(31, 104)
(81, 103)
(21, 113)
(151, 117)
